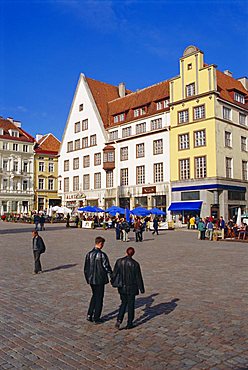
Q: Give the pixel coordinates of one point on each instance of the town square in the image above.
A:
(193, 314)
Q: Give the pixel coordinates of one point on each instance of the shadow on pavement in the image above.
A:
(152, 311)
(138, 303)
(27, 229)
(62, 267)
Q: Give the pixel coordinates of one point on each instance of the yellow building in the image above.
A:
(208, 139)
(46, 172)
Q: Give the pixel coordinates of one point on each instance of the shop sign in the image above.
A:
(149, 190)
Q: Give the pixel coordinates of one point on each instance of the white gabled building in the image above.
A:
(115, 147)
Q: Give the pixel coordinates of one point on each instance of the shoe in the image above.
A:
(89, 318)
(98, 321)
(117, 325)
(130, 326)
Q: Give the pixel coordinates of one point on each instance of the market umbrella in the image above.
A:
(114, 209)
(156, 211)
(140, 211)
(127, 214)
(239, 217)
(90, 209)
(2, 212)
(18, 207)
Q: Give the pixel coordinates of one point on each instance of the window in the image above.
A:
(140, 150)
(15, 185)
(236, 195)
(184, 170)
(70, 146)
(239, 98)
(158, 172)
(245, 170)
(190, 195)
(81, 107)
(183, 116)
(124, 176)
(25, 148)
(60, 185)
(228, 139)
(108, 157)
(119, 118)
(15, 166)
(140, 175)
(15, 147)
(40, 184)
(66, 184)
(189, 66)
(242, 119)
(50, 184)
(76, 163)
(139, 112)
(50, 167)
(141, 128)
(227, 113)
(92, 140)
(97, 159)
(97, 180)
(85, 142)
(162, 104)
(156, 124)
(199, 112)
(66, 165)
(183, 141)
(243, 142)
(41, 166)
(75, 183)
(158, 146)
(77, 127)
(109, 179)
(86, 182)
(25, 166)
(124, 153)
(25, 184)
(200, 138)
(15, 133)
(85, 125)
(86, 161)
(228, 167)
(113, 135)
(77, 144)
(127, 131)
(5, 146)
(5, 164)
(5, 184)
(190, 89)
(200, 167)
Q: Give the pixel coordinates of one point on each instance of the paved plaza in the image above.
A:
(193, 314)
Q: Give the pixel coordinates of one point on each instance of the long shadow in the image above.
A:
(62, 267)
(27, 229)
(152, 311)
(138, 303)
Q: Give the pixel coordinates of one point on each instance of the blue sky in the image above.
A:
(45, 44)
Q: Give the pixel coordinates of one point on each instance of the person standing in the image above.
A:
(125, 230)
(210, 228)
(42, 222)
(36, 221)
(76, 221)
(138, 230)
(96, 271)
(201, 229)
(128, 279)
(38, 248)
(155, 226)
(222, 226)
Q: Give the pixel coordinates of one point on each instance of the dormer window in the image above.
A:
(119, 118)
(162, 104)
(239, 98)
(139, 112)
(1, 131)
(190, 89)
(14, 133)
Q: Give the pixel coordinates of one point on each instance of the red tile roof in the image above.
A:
(225, 84)
(7, 125)
(48, 144)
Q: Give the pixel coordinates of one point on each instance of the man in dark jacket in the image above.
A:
(155, 226)
(38, 248)
(128, 279)
(96, 270)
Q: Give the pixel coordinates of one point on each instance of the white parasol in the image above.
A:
(239, 217)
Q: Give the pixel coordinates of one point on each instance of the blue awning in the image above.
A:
(185, 206)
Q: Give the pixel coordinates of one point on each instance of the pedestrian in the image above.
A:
(38, 248)
(68, 220)
(76, 221)
(222, 227)
(36, 221)
(42, 222)
(138, 230)
(127, 278)
(201, 229)
(96, 271)
(210, 228)
(125, 230)
(155, 225)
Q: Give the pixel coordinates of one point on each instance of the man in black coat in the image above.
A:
(127, 278)
(38, 248)
(96, 270)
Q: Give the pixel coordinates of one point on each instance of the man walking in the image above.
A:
(128, 279)
(155, 226)
(96, 270)
(38, 248)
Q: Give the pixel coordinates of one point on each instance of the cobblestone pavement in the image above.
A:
(193, 314)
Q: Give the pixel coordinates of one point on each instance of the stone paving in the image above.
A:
(193, 314)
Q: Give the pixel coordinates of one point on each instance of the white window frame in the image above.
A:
(158, 172)
(229, 168)
(140, 175)
(228, 139)
(190, 89)
(199, 112)
(183, 141)
(183, 116)
(200, 167)
(227, 113)
(184, 169)
(124, 177)
(200, 138)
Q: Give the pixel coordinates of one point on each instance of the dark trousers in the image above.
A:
(36, 226)
(96, 302)
(37, 264)
(127, 301)
(138, 236)
(155, 230)
(202, 234)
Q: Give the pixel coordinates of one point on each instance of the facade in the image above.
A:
(46, 171)
(179, 145)
(16, 168)
(208, 140)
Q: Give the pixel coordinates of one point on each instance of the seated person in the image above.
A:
(243, 231)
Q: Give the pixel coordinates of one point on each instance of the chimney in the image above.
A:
(244, 81)
(17, 123)
(38, 137)
(228, 73)
(122, 89)
(10, 119)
